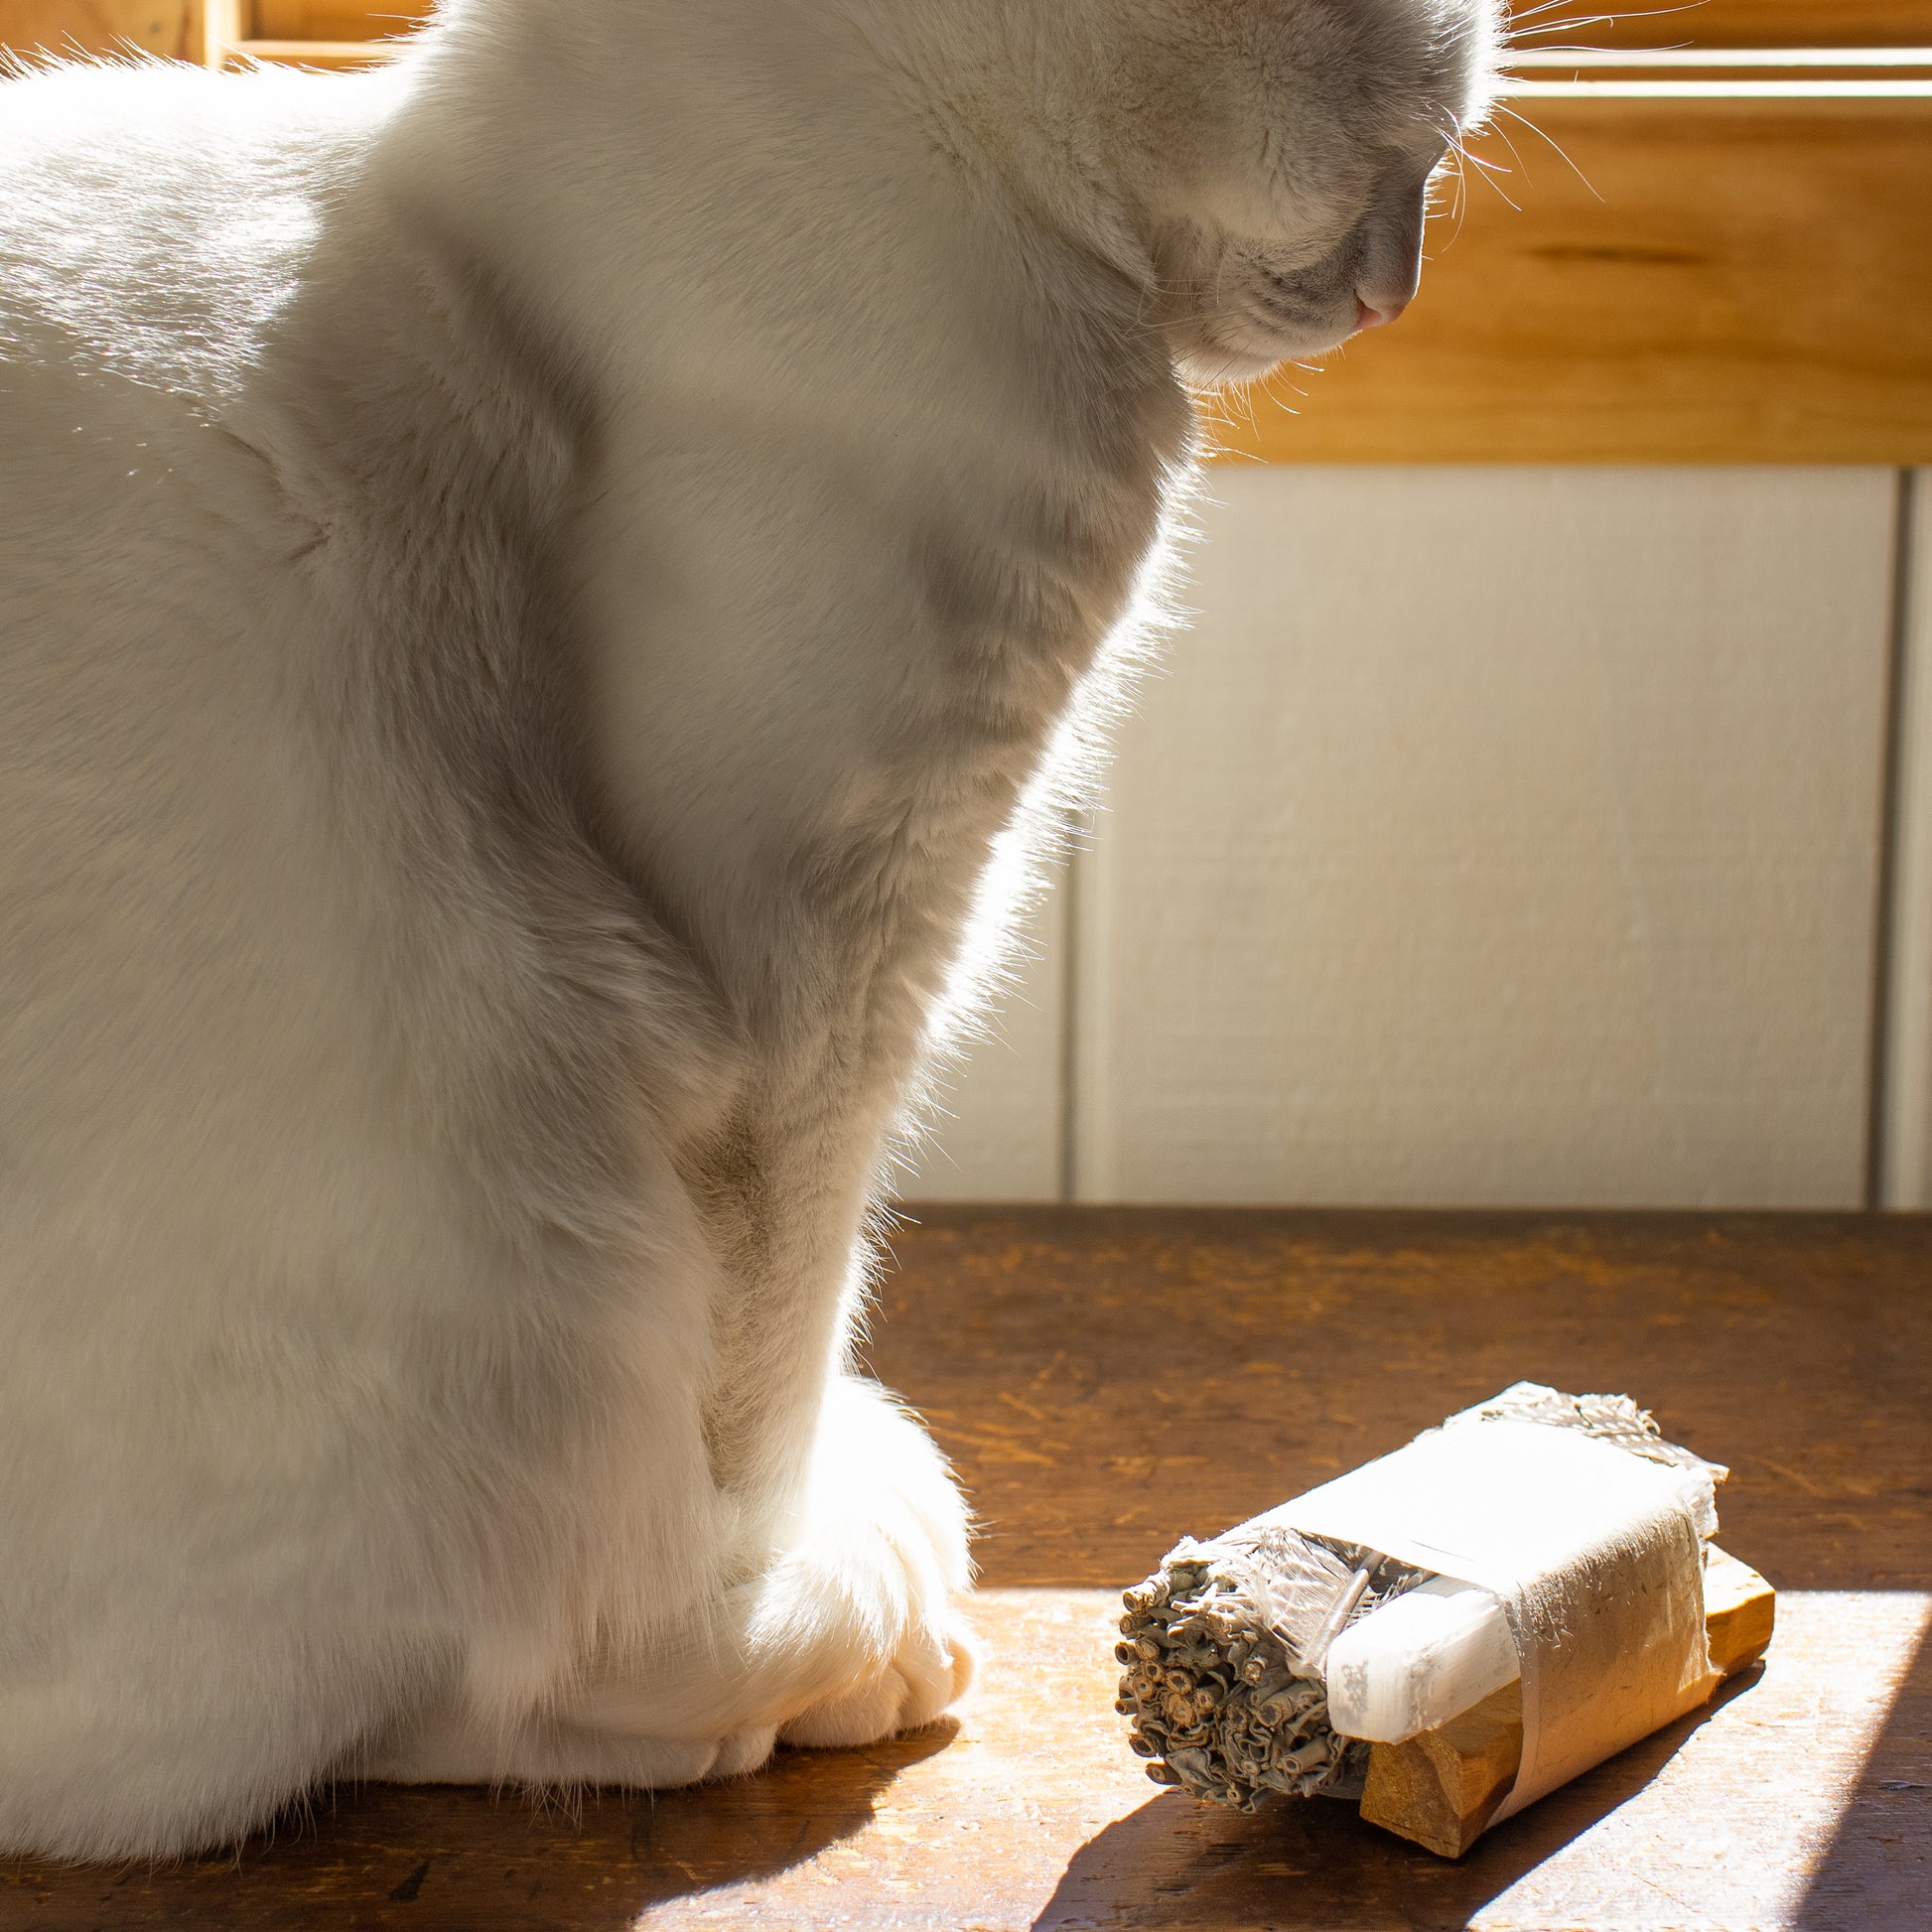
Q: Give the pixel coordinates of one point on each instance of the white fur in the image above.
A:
(530, 586)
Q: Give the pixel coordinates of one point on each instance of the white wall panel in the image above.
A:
(1499, 836)
(1906, 1181)
(998, 1127)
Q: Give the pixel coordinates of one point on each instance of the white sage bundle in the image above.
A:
(1221, 1651)
(1534, 1555)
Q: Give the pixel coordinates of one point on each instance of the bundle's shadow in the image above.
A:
(378, 1856)
(1316, 1866)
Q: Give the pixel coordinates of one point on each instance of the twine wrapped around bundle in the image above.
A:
(1223, 1648)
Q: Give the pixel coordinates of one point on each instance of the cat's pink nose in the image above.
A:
(1368, 317)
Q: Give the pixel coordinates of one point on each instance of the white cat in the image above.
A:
(530, 585)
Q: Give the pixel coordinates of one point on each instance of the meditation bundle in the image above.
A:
(1450, 1632)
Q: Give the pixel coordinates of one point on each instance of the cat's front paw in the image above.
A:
(926, 1674)
(883, 1558)
(848, 1636)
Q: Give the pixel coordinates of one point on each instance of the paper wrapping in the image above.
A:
(1593, 1553)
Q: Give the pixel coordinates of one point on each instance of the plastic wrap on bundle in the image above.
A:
(1509, 1600)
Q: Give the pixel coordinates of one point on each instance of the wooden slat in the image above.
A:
(1714, 279)
(1718, 23)
(1825, 65)
(171, 29)
(224, 24)
(1721, 23)
(334, 20)
(1725, 23)
(329, 56)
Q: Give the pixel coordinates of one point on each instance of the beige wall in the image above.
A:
(1495, 837)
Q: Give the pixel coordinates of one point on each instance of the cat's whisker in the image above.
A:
(1526, 23)
(1460, 209)
(1537, 16)
(1489, 167)
(1488, 176)
(1448, 171)
(1487, 170)
(1537, 19)
(1542, 134)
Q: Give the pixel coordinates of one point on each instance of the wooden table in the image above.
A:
(1106, 1379)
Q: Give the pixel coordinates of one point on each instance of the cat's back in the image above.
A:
(160, 799)
(155, 217)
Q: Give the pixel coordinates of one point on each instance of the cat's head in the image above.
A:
(1276, 154)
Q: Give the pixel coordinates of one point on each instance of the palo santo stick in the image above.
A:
(1739, 1611)
(1441, 1788)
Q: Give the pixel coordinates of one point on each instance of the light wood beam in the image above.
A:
(1713, 276)
(1727, 23)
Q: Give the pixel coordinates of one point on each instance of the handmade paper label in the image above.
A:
(1593, 1554)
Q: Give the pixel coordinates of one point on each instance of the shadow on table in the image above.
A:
(1317, 1867)
(715, 1836)
(710, 1837)
(460, 1857)
(1877, 1870)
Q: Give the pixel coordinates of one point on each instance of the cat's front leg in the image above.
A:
(886, 1551)
(848, 1635)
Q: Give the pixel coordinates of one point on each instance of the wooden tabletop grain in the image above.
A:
(1108, 1379)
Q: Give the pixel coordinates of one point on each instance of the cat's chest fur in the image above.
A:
(844, 668)
(712, 511)
(875, 461)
